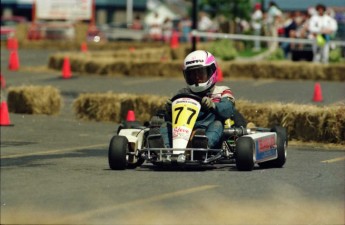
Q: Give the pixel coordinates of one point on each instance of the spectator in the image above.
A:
(204, 24)
(167, 28)
(185, 27)
(322, 27)
(274, 16)
(256, 23)
(137, 25)
(301, 31)
(290, 27)
(155, 27)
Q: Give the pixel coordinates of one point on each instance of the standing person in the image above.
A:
(167, 28)
(290, 27)
(204, 24)
(274, 15)
(321, 27)
(137, 25)
(217, 104)
(256, 18)
(185, 27)
(155, 27)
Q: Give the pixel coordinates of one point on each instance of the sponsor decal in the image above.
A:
(194, 61)
(186, 100)
(266, 144)
(266, 148)
(181, 132)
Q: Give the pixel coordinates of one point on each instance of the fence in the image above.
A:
(196, 33)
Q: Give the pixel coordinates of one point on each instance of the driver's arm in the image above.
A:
(224, 108)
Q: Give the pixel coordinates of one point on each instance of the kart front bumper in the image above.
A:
(186, 156)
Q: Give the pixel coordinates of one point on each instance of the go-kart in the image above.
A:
(135, 144)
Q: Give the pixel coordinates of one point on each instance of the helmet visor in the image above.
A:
(199, 74)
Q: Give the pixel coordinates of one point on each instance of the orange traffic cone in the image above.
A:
(66, 69)
(83, 46)
(132, 49)
(2, 82)
(130, 116)
(12, 44)
(174, 42)
(13, 63)
(4, 116)
(219, 75)
(317, 93)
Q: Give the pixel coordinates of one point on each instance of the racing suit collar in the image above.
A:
(208, 92)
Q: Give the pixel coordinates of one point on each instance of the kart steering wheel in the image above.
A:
(187, 95)
(192, 96)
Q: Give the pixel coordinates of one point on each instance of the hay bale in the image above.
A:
(114, 107)
(155, 54)
(171, 69)
(34, 100)
(306, 123)
(284, 70)
(157, 62)
(98, 106)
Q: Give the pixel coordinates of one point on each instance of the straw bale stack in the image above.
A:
(99, 107)
(114, 107)
(34, 100)
(284, 70)
(156, 62)
(306, 123)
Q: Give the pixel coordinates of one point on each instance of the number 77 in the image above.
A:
(180, 109)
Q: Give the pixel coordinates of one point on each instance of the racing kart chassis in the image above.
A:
(135, 144)
(244, 147)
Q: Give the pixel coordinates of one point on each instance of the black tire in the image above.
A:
(282, 143)
(118, 149)
(245, 154)
(135, 165)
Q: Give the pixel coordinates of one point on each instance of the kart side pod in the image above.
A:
(255, 148)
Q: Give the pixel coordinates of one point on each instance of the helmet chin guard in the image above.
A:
(200, 71)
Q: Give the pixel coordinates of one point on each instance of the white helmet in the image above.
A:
(200, 71)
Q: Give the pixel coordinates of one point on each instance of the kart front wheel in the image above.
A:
(245, 154)
(118, 149)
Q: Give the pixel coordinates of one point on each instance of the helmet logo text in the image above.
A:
(194, 61)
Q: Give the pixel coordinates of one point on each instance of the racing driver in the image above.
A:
(200, 72)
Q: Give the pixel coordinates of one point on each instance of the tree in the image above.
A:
(228, 8)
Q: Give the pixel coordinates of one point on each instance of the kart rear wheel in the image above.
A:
(282, 142)
(245, 154)
(118, 149)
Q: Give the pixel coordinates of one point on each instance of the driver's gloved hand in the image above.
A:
(207, 104)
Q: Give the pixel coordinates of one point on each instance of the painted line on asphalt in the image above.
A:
(334, 160)
(50, 152)
(97, 212)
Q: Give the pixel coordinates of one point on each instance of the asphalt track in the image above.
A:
(54, 168)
